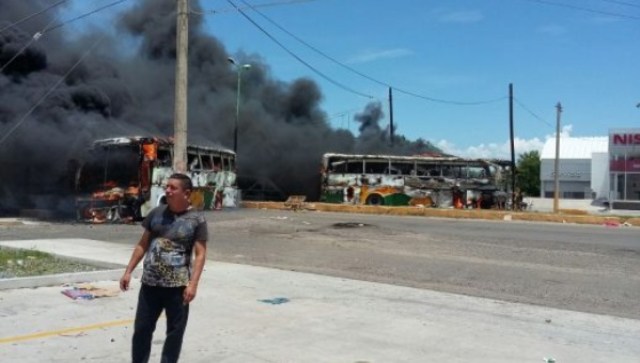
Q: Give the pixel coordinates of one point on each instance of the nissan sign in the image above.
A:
(626, 139)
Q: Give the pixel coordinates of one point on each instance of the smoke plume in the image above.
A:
(117, 90)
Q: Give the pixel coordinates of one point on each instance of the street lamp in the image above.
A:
(239, 69)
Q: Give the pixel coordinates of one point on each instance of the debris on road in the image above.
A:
(275, 301)
(89, 292)
(611, 223)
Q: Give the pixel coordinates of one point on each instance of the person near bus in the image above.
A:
(173, 233)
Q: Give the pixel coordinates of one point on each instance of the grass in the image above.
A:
(23, 263)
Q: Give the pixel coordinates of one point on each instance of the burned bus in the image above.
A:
(430, 181)
(124, 178)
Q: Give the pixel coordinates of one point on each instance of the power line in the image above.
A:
(233, 9)
(315, 70)
(33, 39)
(49, 28)
(532, 113)
(622, 3)
(580, 8)
(351, 69)
(33, 15)
(86, 14)
(49, 91)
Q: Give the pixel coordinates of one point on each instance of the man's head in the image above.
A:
(177, 192)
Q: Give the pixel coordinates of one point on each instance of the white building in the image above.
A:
(582, 168)
(595, 167)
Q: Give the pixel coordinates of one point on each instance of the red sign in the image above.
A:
(626, 139)
(624, 165)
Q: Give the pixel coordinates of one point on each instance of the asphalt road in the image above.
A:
(577, 267)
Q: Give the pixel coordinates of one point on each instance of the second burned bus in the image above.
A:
(431, 181)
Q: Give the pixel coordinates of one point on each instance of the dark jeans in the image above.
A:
(151, 302)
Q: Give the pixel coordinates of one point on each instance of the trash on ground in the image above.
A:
(89, 292)
(275, 301)
(612, 223)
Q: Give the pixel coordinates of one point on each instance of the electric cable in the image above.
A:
(50, 90)
(86, 14)
(33, 39)
(532, 113)
(351, 69)
(622, 3)
(264, 5)
(33, 15)
(49, 28)
(575, 7)
(312, 68)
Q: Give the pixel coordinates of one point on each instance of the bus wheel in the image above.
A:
(375, 199)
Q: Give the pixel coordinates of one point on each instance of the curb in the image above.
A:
(31, 282)
(484, 214)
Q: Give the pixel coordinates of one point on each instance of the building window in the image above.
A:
(573, 195)
(633, 187)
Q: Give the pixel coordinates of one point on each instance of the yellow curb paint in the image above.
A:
(44, 334)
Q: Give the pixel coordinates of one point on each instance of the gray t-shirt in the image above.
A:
(167, 262)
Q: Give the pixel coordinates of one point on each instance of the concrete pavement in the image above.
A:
(325, 319)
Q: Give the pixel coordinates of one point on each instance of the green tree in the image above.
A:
(528, 174)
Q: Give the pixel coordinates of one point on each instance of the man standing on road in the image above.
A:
(169, 277)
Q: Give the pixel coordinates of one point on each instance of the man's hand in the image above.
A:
(124, 281)
(138, 253)
(189, 293)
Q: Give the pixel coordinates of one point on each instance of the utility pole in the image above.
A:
(391, 115)
(556, 164)
(513, 153)
(180, 110)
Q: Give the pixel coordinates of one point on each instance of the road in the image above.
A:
(584, 268)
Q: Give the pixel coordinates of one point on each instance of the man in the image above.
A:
(169, 278)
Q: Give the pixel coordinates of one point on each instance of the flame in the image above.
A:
(111, 194)
(150, 151)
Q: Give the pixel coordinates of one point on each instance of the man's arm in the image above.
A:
(138, 252)
(198, 265)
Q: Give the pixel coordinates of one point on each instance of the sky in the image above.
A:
(580, 53)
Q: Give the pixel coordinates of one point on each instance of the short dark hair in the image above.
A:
(186, 182)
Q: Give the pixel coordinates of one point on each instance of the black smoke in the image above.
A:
(125, 86)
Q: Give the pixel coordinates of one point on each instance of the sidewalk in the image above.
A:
(325, 319)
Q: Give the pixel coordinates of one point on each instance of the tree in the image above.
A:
(528, 173)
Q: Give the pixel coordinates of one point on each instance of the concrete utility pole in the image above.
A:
(556, 164)
(180, 111)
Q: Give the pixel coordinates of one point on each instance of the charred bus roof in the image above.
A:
(161, 141)
(444, 158)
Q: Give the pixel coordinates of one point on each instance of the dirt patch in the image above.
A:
(575, 212)
(633, 221)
